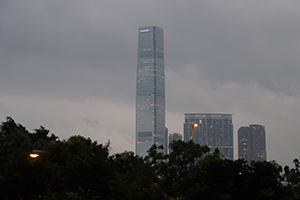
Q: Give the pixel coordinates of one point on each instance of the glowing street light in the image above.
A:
(195, 125)
(36, 153)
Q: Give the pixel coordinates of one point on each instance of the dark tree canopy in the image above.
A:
(79, 168)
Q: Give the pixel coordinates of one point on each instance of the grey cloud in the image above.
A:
(216, 53)
(90, 122)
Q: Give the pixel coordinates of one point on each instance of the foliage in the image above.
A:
(292, 178)
(78, 168)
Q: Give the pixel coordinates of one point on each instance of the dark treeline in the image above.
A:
(78, 168)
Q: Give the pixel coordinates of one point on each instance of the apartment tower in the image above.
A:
(213, 130)
(252, 143)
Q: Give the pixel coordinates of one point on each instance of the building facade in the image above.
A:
(252, 143)
(213, 130)
(174, 137)
(150, 91)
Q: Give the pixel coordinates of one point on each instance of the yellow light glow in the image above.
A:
(34, 155)
(195, 125)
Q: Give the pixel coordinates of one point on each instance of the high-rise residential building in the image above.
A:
(150, 90)
(244, 143)
(252, 143)
(213, 130)
(172, 137)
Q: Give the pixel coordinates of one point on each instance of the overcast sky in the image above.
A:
(70, 66)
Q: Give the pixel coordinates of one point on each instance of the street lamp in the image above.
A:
(195, 125)
(36, 153)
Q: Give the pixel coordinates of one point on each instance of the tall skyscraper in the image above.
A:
(172, 137)
(213, 130)
(150, 90)
(252, 142)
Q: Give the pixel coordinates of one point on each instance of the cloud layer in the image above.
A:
(71, 65)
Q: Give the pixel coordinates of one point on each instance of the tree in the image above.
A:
(40, 139)
(86, 170)
(79, 168)
(292, 177)
(20, 178)
(171, 169)
(135, 176)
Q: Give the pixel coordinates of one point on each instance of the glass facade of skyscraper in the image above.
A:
(214, 130)
(150, 90)
(252, 143)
